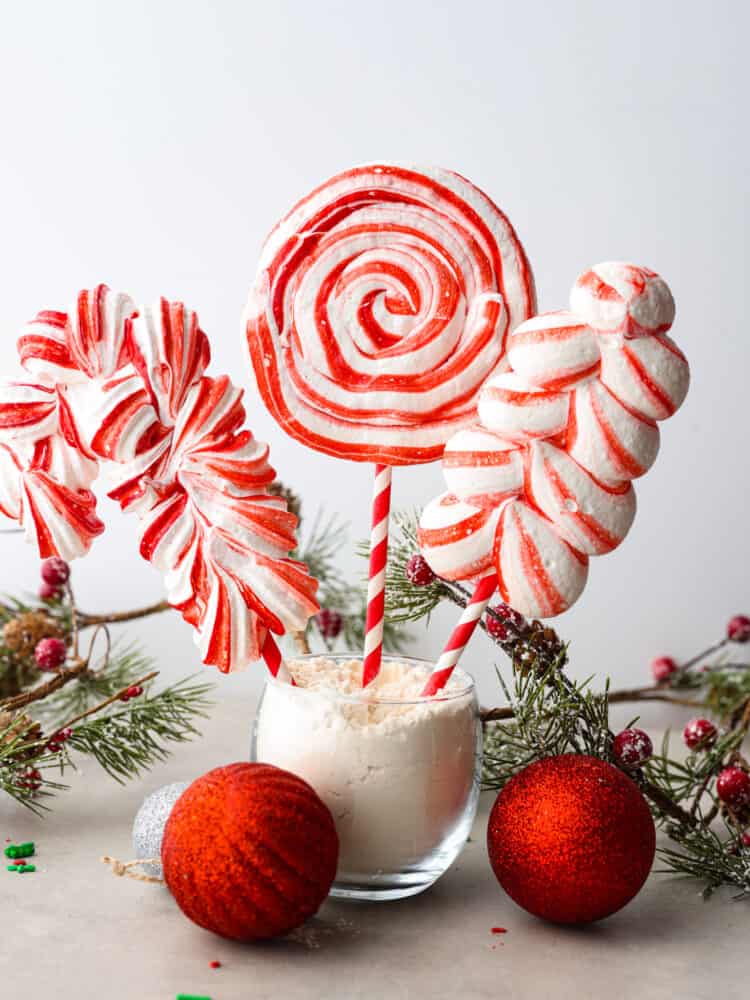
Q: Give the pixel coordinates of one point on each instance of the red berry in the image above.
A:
(632, 747)
(418, 571)
(55, 571)
(662, 668)
(510, 616)
(733, 786)
(330, 623)
(699, 734)
(50, 654)
(495, 627)
(55, 744)
(738, 628)
(746, 839)
(124, 696)
(49, 592)
(30, 778)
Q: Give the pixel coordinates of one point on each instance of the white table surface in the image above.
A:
(72, 931)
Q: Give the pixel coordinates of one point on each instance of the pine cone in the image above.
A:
(534, 647)
(21, 634)
(14, 725)
(293, 502)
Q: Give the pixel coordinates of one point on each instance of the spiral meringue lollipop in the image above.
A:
(124, 389)
(382, 303)
(576, 413)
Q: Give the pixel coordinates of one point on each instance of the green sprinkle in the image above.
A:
(12, 868)
(190, 996)
(20, 850)
(27, 868)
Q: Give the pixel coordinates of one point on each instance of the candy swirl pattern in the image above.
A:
(543, 479)
(382, 303)
(123, 390)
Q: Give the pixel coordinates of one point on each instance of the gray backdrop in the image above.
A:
(152, 145)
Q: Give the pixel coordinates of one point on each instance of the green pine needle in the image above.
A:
(128, 740)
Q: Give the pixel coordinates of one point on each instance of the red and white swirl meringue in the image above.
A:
(648, 374)
(538, 572)
(591, 517)
(125, 389)
(512, 407)
(559, 438)
(614, 297)
(456, 538)
(610, 441)
(478, 464)
(170, 352)
(45, 477)
(382, 303)
(554, 350)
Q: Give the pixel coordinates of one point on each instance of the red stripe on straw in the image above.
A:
(460, 636)
(374, 621)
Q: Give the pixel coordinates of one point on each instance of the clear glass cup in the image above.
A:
(400, 776)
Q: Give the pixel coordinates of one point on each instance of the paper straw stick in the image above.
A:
(461, 634)
(381, 507)
(275, 661)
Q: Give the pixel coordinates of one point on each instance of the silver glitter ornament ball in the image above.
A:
(150, 820)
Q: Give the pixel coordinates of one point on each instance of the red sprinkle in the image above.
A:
(499, 930)
(215, 964)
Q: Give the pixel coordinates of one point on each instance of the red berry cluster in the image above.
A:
(496, 628)
(57, 741)
(30, 779)
(55, 574)
(418, 572)
(502, 621)
(663, 667)
(132, 692)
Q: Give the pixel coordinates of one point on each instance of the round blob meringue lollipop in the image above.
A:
(558, 440)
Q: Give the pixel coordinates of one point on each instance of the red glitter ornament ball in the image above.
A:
(571, 839)
(249, 851)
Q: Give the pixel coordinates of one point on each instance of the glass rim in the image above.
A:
(363, 698)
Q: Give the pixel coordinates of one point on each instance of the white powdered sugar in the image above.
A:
(396, 770)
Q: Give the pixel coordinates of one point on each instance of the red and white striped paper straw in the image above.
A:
(461, 634)
(275, 661)
(374, 621)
